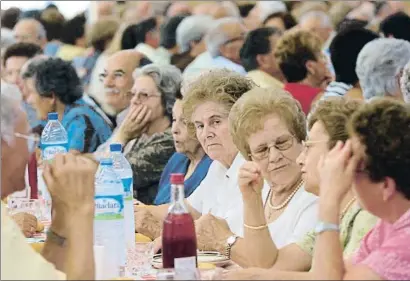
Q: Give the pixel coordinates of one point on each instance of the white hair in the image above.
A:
(191, 29)
(325, 20)
(379, 63)
(216, 36)
(231, 9)
(9, 115)
(267, 8)
(41, 31)
(405, 83)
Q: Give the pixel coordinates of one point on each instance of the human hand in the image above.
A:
(337, 170)
(27, 223)
(157, 244)
(146, 223)
(135, 123)
(212, 233)
(70, 181)
(250, 180)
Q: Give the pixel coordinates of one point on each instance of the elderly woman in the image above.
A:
(379, 67)
(304, 65)
(190, 158)
(376, 162)
(214, 204)
(326, 126)
(268, 126)
(146, 129)
(405, 83)
(52, 85)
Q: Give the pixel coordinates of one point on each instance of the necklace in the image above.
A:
(281, 206)
(347, 207)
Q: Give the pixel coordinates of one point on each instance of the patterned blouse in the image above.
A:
(148, 156)
(355, 224)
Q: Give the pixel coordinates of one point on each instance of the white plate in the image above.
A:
(214, 258)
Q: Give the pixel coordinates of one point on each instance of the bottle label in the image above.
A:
(109, 207)
(50, 150)
(127, 183)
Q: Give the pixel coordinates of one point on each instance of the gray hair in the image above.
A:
(41, 31)
(192, 28)
(9, 114)
(29, 67)
(325, 20)
(231, 9)
(379, 63)
(405, 83)
(267, 8)
(216, 36)
(168, 80)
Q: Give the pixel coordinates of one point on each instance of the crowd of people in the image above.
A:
(289, 119)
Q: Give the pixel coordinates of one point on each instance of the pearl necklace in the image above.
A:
(347, 207)
(281, 206)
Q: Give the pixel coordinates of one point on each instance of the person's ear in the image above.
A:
(310, 66)
(262, 61)
(224, 51)
(389, 188)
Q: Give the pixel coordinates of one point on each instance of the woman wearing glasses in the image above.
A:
(268, 126)
(146, 130)
(327, 126)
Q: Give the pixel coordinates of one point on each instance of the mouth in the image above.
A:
(112, 92)
(276, 169)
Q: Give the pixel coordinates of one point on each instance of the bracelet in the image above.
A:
(255, 227)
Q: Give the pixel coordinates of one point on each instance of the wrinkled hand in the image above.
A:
(212, 233)
(250, 180)
(27, 223)
(146, 223)
(337, 171)
(241, 274)
(135, 123)
(70, 181)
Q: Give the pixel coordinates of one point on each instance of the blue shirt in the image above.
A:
(179, 163)
(86, 128)
(222, 62)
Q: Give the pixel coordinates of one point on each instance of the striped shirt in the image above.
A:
(336, 89)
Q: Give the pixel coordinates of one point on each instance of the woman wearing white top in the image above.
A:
(268, 127)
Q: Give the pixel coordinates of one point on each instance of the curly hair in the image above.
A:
(55, 77)
(247, 115)
(221, 86)
(293, 50)
(334, 113)
(22, 49)
(382, 126)
(405, 83)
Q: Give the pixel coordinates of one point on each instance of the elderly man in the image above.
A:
(257, 56)
(379, 67)
(31, 31)
(262, 10)
(224, 41)
(70, 180)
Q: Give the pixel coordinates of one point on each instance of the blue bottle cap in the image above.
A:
(53, 116)
(106, 162)
(115, 147)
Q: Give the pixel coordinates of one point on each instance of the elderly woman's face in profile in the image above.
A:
(182, 141)
(212, 130)
(275, 149)
(42, 105)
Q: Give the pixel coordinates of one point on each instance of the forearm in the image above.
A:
(259, 248)
(328, 256)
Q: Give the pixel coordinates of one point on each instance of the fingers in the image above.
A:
(146, 118)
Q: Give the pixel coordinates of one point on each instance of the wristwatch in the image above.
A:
(55, 238)
(229, 244)
(325, 226)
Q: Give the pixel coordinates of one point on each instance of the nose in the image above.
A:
(108, 81)
(135, 100)
(274, 155)
(175, 128)
(208, 132)
(301, 159)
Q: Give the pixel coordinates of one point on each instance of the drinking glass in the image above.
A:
(139, 259)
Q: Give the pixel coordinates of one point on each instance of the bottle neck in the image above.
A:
(177, 199)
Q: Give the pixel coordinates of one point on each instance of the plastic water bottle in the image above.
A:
(123, 169)
(109, 219)
(54, 138)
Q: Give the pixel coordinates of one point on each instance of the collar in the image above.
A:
(154, 55)
(259, 75)
(232, 172)
(222, 61)
(403, 221)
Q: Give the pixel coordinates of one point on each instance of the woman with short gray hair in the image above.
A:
(146, 129)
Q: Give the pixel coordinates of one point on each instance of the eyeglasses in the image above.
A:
(32, 141)
(241, 37)
(143, 96)
(308, 143)
(115, 76)
(283, 143)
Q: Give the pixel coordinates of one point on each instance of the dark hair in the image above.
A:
(10, 17)
(56, 77)
(73, 29)
(178, 95)
(257, 43)
(136, 33)
(350, 23)
(244, 9)
(28, 50)
(382, 126)
(168, 31)
(395, 25)
(287, 19)
(53, 22)
(345, 49)
(35, 14)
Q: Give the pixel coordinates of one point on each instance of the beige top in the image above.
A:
(264, 80)
(19, 261)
